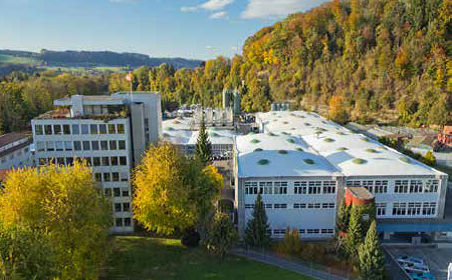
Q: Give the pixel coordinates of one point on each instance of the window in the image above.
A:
(103, 129)
(431, 186)
(120, 128)
(122, 161)
(415, 186)
(280, 206)
(106, 177)
(429, 208)
(122, 144)
(57, 129)
(60, 161)
(268, 189)
(381, 186)
(42, 161)
(111, 129)
(115, 176)
(114, 161)
(380, 208)
(105, 161)
(125, 192)
(313, 205)
(50, 146)
(94, 129)
(314, 187)
(414, 208)
(300, 187)
(269, 205)
(118, 207)
(401, 186)
(329, 187)
(399, 208)
(327, 231)
(118, 222)
(116, 192)
(299, 205)
(327, 205)
(302, 231)
(66, 129)
(313, 231)
(38, 129)
(85, 129)
(113, 145)
(88, 161)
(68, 145)
(249, 206)
(280, 188)
(98, 177)
(40, 146)
(69, 161)
(127, 222)
(279, 231)
(108, 192)
(95, 145)
(104, 145)
(124, 176)
(47, 129)
(96, 161)
(77, 145)
(369, 185)
(75, 129)
(59, 145)
(126, 207)
(86, 145)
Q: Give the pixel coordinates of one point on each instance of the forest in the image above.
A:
(359, 60)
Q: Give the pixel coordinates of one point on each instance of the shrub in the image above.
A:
(405, 159)
(359, 161)
(169, 128)
(299, 149)
(282, 152)
(190, 238)
(309, 161)
(290, 140)
(292, 242)
(255, 141)
(307, 124)
(271, 134)
(263, 162)
(371, 150)
(329, 140)
(258, 150)
(342, 149)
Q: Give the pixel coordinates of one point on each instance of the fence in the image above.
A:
(306, 268)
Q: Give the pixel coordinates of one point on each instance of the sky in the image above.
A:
(197, 29)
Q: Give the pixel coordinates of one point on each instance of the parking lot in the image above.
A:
(437, 259)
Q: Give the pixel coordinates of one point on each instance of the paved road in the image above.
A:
(276, 261)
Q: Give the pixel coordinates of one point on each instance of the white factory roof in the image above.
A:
(265, 155)
(333, 148)
(177, 131)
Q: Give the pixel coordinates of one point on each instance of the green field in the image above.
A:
(14, 59)
(84, 69)
(166, 259)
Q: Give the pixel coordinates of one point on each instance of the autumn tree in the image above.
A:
(173, 191)
(371, 257)
(337, 110)
(63, 208)
(222, 234)
(257, 229)
(203, 151)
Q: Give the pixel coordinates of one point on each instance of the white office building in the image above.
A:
(110, 132)
(302, 164)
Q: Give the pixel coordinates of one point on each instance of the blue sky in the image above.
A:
(200, 29)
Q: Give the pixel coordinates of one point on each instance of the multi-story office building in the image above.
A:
(326, 160)
(109, 132)
(16, 150)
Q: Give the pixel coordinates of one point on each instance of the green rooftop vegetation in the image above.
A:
(371, 151)
(282, 152)
(342, 149)
(359, 161)
(340, 133)
(176, 122)
(263, 162)
(271, 134)
(255, 141)
(329, 140)
(258, 150)
(169, 128)
(309, 161)
(290, 140)
(365, 139)
(299, 149)
(307, 124)
(251, 133)
(405, 159)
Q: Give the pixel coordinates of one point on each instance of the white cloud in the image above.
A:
(209, 47)
(269, 8)
(218, 15)
(211, 5)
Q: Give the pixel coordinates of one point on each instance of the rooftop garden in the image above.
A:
(307, 124)
(371, 151)
(282, 152)
(255, 141)
(290, 140)
(169, 128)
(263, 162)
(329, 140)
(176, 122)
(309, 161)
(365, 139)
(342, 149)
(359, 161)
(405, 159)
(258, 150)
(271, 134)
(299, 149)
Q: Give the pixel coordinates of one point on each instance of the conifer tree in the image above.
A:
(371, 257)
(343, 217)
(203, 150)
(354, 233)
(257, 230)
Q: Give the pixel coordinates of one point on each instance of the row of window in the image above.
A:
(296, 206)
(302, 231)
(76, 129)
(51, 146)
(400, 186)
(116, 192)
(111, 177)
(413, 208)
(300, 187)
(122, 207)
(94, 161)
(123, 222)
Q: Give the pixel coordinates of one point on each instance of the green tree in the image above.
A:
(354, 233)
(203, 151)
(429, 158)
(371, 257)
(257, 229)
(222, 235)
(343, 217)
(65, 208)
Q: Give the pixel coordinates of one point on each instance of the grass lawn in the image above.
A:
(14, 59)
(147, 258)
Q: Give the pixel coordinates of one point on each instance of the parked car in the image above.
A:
(413, 268)
(409, 259)
(422, 276)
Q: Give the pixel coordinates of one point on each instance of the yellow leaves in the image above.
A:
(269, 57)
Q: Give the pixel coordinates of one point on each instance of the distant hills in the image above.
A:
(49, 58)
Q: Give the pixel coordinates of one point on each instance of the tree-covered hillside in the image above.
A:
(361, 59)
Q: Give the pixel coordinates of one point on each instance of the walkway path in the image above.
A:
(282, 263)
